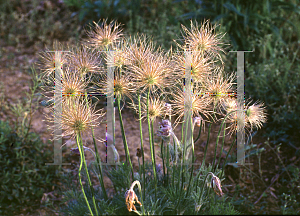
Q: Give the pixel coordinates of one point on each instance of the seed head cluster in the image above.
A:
(158, 78)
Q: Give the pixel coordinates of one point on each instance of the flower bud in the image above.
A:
(138, 152)
(216, 185)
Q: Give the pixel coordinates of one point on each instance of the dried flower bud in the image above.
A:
(216, 185)
(138, 152)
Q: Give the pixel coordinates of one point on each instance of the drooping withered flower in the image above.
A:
(216, 185)
(131, 197)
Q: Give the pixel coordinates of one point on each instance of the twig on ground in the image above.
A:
(277, 176)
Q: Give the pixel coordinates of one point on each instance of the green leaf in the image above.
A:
(221, 16)
(231, 7)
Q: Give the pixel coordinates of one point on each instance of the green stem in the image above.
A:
(162, 156)
(181, 133)
(79, 172)
(227, 157)
(199, 132)
(193, 160)
(219, 135)
(168, 164)
(142, 145)
(150, 143)
(195, 141)
(88, 176)
(201, 193)
(98, 159)
(153, 147)
(173, 175)
(182, 164)
(221, 147)
(209, 128)
(124, 136)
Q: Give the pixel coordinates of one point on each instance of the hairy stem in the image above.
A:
(124, 136)
(150, 143)
(142, 145)
(98, 159)
(79, 172)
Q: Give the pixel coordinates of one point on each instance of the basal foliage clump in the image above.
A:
(24, 175)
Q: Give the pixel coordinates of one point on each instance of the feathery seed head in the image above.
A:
(153, 75)
(219, 86)
(72, 85)
(202, 38)
(156, 107)
(199, 103)
(236, 120)
(48, 58)
(117, 58)
(137, 50)
(85, 60)
(121, 85)
(76, 117)
(229, 104)
(105, 35)
(256, 114)
(201, 67)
